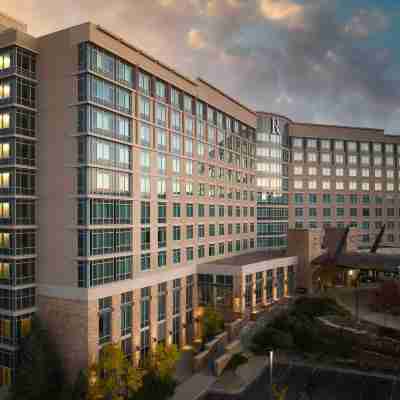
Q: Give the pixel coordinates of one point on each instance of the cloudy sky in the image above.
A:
(327, 61)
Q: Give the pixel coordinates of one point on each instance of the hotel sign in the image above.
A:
(275, 126)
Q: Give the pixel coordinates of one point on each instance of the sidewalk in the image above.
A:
(194, 388)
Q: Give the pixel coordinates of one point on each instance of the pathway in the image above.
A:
(347, 298)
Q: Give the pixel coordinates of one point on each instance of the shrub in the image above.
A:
(271, 337)
(155, 388)
(237, 360)
(315, 307)
(213, 323)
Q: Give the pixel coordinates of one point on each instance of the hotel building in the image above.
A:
(130, 195)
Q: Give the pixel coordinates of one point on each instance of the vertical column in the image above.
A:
(264, 288)
(243, 293)
(153, 316)
(183, 313)
(169, 312)
(253, 292)
(116, 319)
(136, 326)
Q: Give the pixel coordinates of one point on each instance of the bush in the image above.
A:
(237, 360)
(315, 307)
(155, 388)
(271, 337)
(213, 323)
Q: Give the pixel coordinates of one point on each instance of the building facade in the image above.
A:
(340, 176)
(131, 194)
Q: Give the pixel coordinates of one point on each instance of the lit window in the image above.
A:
(365, 186)
(339, 185)
(4, 180)
(326, 185)
(352, 160)
(5, 61)
(352, 185)
(5, 90)
(4, 240)
(26, 324)
(4, 209)
(352, 172)
(298, 170)
(103, 180)
(4, 120)
(325, 157)
(378, 186)
(339, 145)
(312, 157)
(4, 270)
(339, 158)
(389, 148)
(297, 156)
(312, 171)
(4, 150)
(312, 185)
(377, 147)
(298, 184)
(339, 172)
(364, 146)
(326, 144)
(364, 159)
(297, 142)
(352, 146)
(5, 376)
(390, 174)
(365, 172)
(378, 173)
(326, 171)
(311, 143)
(390, 187)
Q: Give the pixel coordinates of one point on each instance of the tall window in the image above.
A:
(126, 313)
(105, 314)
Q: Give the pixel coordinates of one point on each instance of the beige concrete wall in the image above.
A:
(73, 325)
(7, 22)
(306, 245)
(57, 179)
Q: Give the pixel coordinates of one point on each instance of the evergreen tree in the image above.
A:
(39, 375)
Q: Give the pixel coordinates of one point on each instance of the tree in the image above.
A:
(40, 374)
(213, 323)
(163, 361)
(113, 377)
(159, 382)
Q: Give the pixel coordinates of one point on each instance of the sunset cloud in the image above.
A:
(196, 39)
(278, 10)
(302, 58)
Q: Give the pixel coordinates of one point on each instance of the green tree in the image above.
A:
(113, 377)
(213, 323)
(40, 374)
(163, 361)
(159, 382)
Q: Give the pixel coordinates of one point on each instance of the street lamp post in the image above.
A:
(271, 366)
